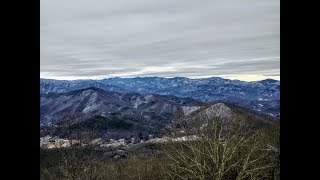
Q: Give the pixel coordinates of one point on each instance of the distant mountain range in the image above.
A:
(262, 96)
(119, 115)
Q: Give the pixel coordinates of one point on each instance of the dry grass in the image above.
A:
(90, 164)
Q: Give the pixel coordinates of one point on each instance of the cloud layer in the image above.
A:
(96, 39)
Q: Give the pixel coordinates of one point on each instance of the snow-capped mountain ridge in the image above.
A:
(247, 94)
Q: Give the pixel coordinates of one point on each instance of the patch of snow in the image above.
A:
(189, 109)
(115, 143)
(136, 103)
(178, 139)
(148, 98)
(218, 110)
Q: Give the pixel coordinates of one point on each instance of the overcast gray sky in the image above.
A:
(234, 39)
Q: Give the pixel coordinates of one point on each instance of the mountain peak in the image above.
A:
(246, 94)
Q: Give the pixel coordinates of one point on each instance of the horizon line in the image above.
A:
(168, 77)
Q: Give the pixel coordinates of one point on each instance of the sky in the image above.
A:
(95, 39)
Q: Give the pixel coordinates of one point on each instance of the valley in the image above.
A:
(98, 127)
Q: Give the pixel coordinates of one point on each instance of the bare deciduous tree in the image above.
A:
(226, 150)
